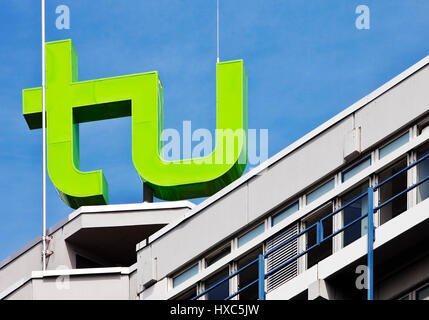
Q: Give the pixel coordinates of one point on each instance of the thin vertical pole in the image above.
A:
(217, 33)
(370, 243)
(261, 277)
(44, 138)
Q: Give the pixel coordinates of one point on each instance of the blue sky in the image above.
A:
(305, 60)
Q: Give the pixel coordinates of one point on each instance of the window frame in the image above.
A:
(354, 166)
(248, 231)
(282, 211)
(202, 283)
(190, 267)
(215, 254)
(319, 186)
(412, 295)
(304, 223)
(391, 141)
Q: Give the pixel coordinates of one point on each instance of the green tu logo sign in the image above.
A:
(70, 102)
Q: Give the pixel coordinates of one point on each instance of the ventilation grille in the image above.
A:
(282, 255)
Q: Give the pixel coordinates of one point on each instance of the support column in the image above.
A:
(147, 193)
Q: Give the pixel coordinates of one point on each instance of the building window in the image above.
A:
(395, 144)
(354, 211)
(423, 172)
(355, 169)
(248, 275)
(423, 293)
(392, 188)
(326, 187)
(325, 248)
(222, 290)
(285, 213)
(189, 273)
(251, 234)
(217, 255)
(188, 294)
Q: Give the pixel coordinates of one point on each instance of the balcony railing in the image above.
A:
(321, 238)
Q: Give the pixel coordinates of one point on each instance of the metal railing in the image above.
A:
(321, 238)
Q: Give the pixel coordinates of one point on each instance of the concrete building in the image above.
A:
(300, 199)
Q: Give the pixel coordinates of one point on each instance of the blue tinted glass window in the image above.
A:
(356, 169)
(251, 234)
(185, 276)
(284, 213)
(352, 212)
(221, 291)
(395, 144)
(328, 186)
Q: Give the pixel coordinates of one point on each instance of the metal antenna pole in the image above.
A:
(217, 32)
(44, 138)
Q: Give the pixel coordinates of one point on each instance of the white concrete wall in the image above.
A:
(23, 293)
(20, 268)
(83, 286)
(86, 287)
